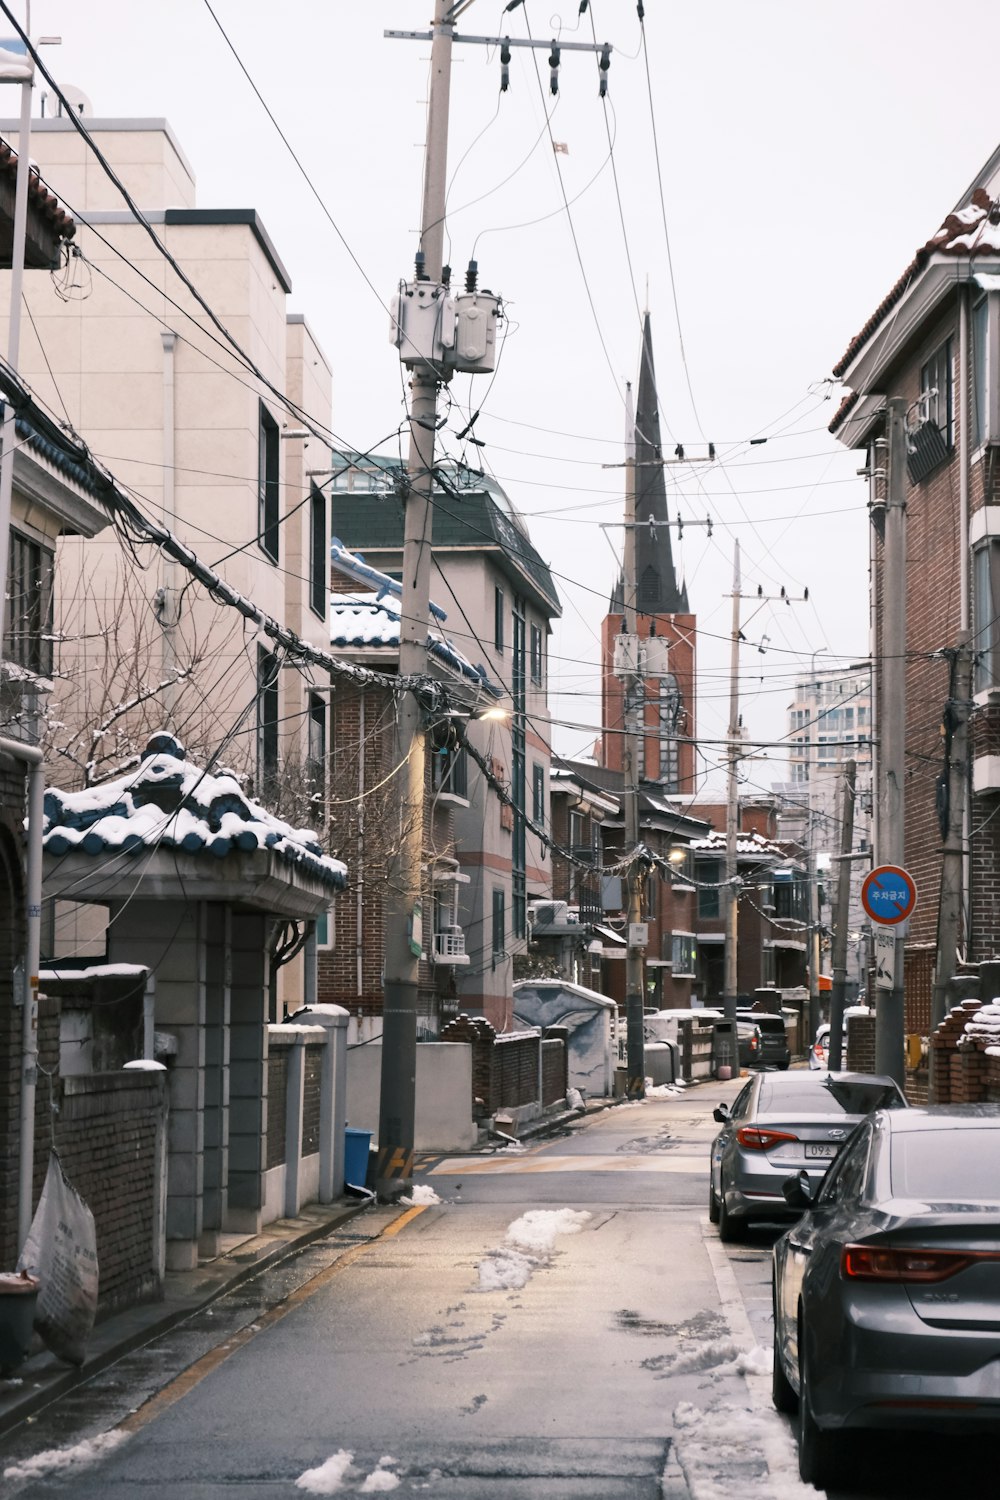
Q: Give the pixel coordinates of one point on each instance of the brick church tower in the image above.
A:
(666, 749)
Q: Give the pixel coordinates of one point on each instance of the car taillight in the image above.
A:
(756, 1139)
(902, 1263)
(818, 1050)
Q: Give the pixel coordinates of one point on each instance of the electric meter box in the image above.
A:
(477, 314)
(423, 324)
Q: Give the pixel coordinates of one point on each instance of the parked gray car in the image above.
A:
(887, 1290)
(780, 1124)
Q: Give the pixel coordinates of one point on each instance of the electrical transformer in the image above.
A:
(476, 332)
(423, 324)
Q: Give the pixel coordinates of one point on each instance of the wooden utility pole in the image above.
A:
(841, 922)
(889, 1015)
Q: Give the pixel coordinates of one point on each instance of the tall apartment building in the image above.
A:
(829, 723)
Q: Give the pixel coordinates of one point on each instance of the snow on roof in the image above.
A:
(169, 802)
(362, 618)
(747, 844)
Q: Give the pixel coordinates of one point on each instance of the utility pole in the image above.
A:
(634, 712)
(841, 923)
(730, 982)
(403, 921)
(436, 334)
(952, 808)
(889, 1015)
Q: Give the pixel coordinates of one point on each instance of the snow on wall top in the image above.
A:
(169, 802)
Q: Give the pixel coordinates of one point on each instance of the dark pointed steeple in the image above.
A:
(657, 591)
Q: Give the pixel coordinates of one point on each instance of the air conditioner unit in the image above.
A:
(547, 913)
(926, 449)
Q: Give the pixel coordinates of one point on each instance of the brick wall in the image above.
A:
(277, 1090)
(505, 1068)
(311, 1099)
(554, 1059)
(860, 1044)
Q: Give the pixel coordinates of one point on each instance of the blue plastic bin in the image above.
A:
(356, 1147)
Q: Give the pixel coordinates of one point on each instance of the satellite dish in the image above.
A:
(76, 99)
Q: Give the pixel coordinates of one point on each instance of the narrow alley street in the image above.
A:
(562, 1325)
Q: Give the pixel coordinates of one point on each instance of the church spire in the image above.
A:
(657, 590)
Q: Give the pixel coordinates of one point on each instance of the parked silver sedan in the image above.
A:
(780, 1124)
(887, 1291)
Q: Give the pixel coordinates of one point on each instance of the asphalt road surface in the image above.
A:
(562, 1324)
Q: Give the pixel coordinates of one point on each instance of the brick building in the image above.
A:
(934, 342)
(364, 628)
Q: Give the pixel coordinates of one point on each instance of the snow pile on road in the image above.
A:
(339, 1469)
(65, 1460)
(731, 1450)
(528, 1244)
(422, 1196)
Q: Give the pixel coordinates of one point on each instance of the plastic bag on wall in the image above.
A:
(61, 1250)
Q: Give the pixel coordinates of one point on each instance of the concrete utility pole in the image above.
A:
(634, 712)
(730, 982)
(953, 812)
(814, 925)
(889, 1015)
(433, 351)
(841, 923)
(404, 918)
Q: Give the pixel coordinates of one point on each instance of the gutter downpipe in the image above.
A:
(32, 756)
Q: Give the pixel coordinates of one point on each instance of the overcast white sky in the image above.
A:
(805, 151)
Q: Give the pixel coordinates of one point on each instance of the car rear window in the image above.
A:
(827, 1095)
(946, 1166)
(766, 1023)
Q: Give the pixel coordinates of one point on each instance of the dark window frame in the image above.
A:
(318, 553)
(499, 610)
(28, 623)
(499, 930)
(268, 484)
(537, 656)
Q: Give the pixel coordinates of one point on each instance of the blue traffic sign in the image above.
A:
(888, 894)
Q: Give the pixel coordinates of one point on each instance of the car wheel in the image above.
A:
(713, 1202)
(783, 1066)
(820, 1452)
(731, 1230)
(783, 1397)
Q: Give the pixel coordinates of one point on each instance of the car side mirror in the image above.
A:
(721, 1114)
(798, 1191)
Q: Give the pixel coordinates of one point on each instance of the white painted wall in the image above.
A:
(443, 1119)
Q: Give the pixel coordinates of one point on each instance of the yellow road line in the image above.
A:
(196, 1373)
(514, 1165)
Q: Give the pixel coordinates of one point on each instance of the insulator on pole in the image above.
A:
(554, 57)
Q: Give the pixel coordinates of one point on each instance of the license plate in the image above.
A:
(822, 1153)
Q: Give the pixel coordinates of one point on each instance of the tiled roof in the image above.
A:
(969, 231)
(41, 200)
(168, 802)
(748, 845)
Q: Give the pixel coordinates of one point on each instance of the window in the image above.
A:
(986, 614)
(538, 795)
(670, 710)
(684, 949)
(325, 928)
(983, 375)
(930, 442)
(28, 615)
(316, 752)
(709, 895)
(318, 551)
(450, 772)
(268, 484)
(499, 925)
(536, 655)
(267, 721)
(498, 617)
